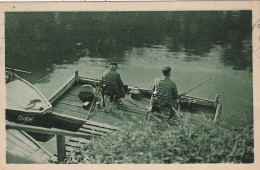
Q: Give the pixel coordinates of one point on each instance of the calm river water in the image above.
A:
(53, 59)
(142, 65)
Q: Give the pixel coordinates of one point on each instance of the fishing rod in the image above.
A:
(167, 97)
(102, 81)
(193, 88)
(177, 112)
(17, 70)
(198, 85)
(225, 119)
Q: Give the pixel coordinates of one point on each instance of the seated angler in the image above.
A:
(164, 92)
(116, 89)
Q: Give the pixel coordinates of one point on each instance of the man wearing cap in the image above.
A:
(116, 90)
(164, 91)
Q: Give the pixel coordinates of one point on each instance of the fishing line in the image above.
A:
(249, 108)
(243, 126)
(211, 94)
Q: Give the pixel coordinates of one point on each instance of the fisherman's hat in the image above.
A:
(113, 63)
(166, 68)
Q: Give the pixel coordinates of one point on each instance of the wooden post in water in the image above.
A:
(11, 74)
(61, 148)
(218, 107)
(216, 102)
(77, 76)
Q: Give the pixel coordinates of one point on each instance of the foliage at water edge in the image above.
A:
(163, 143)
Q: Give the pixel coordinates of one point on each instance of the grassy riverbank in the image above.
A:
(163, 143)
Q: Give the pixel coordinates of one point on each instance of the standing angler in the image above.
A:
(164, 92)
(116, 90)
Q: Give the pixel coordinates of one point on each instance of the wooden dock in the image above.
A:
(69, 118)
(89, 128)
(69, 104)
(128, 110)
(94, 129)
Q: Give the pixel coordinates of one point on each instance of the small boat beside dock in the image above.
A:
(22, 148)
(24, 102)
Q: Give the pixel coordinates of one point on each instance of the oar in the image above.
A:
(93, 101)
(17, 70)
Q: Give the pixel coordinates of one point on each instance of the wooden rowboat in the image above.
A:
(66, 102)
(24, 102)
(22, 148)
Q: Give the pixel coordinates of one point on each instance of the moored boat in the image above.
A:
(24, 102)
(22, 148)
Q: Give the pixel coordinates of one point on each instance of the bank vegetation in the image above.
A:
(166, 143)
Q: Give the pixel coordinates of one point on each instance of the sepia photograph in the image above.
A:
(129, 87)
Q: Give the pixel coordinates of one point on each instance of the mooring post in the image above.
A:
(61, 149)
(216, 100)
(218, 107)
(11, 75)
(77, 76)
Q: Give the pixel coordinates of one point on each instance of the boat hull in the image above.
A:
(25, 118)
(22, 148)
(24, 102)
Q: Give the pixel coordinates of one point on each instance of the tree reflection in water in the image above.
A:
(36, 40)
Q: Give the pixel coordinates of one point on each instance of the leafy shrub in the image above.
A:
(180, 142)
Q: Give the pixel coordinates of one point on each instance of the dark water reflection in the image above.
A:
(42, 39)
(52, 45)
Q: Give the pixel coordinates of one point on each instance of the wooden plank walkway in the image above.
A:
(93, 129)
(129, 110)
(70, 105)
(89, 127)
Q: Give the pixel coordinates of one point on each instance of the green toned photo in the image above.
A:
(129, 87)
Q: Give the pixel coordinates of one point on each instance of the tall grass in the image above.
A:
(163, 143)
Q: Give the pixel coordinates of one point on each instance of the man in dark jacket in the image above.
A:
(116, 90)
(164, 92)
